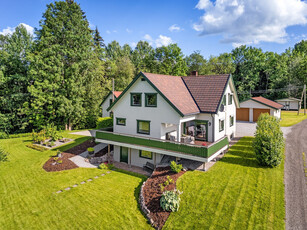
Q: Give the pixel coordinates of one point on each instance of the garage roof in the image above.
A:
(267, 102)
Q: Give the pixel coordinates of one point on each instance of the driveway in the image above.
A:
(90, 133)
(295, 179)
(244, 128)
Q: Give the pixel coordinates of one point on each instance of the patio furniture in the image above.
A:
(188, 140)
(149, 166)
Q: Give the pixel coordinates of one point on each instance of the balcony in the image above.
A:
(159, 144)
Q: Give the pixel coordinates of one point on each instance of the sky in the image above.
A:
(209, 26)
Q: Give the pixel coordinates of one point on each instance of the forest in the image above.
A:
(61, 74)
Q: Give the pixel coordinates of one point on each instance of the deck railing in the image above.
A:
(196, 150)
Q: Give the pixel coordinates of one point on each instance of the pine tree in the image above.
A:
(62, 66)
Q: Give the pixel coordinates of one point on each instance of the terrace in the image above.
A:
(196, 151)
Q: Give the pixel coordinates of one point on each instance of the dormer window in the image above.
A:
(136, 99)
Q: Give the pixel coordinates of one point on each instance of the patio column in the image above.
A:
(179, 132)
(129, 157)
(154, 158)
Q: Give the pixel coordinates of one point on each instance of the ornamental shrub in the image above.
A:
(269, 142)
(170, 200)
(104, 122)
(176, 167)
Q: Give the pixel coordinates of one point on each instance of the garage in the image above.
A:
(258, 112)
(251, 109)
(243, 114)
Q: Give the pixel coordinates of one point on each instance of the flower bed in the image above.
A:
(59, 164)
(151, 194)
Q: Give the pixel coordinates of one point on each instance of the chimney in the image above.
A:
(194, 73)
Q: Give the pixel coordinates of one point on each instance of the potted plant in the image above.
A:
(91, 151)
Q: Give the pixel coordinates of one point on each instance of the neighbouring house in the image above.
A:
(106, 103)
(158, 117)
(251, 109)
(290, 103)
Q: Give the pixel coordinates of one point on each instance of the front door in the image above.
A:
(124, 154)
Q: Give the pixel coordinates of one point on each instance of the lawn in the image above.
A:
(28, 198)
(289, 118)
(234, 194)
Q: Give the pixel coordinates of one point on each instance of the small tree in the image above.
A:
(269, 142)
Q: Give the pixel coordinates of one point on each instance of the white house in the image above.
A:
(251, 109)
(106, 103)
(185, 117)
(289, 103)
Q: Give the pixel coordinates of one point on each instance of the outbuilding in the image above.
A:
(290, 103)
(108, 100)
(251, 109)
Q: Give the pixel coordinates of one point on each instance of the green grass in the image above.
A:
(234, 194)
(289, 118)
(28, 199)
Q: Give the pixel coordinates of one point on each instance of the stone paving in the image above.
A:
(82, 182)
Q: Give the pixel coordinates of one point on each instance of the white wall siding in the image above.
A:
(163, 113)
(106, 105)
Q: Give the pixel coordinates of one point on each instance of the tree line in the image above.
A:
(62, 74)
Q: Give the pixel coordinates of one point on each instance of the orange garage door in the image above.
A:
(243, 114)
(257, 112)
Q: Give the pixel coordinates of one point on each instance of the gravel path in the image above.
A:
(295, 180)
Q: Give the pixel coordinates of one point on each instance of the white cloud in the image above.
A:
(147, 37)
(174, 28)
(128, 31)
(108, 31)
(133, 45)
(10, 30)
(160, 41)
(163, 41)
(252, 21)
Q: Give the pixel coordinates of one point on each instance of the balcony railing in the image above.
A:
(196, 150)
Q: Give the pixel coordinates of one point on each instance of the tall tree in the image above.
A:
(170, 60)
(14, 62)
(62, 65)
(196, 62)
(143, 57)
(221, 64)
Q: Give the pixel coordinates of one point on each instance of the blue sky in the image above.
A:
(212, 27)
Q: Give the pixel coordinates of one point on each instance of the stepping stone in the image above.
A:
(96, 177)
(83, 182)
(59, 191)
(75, 185)
(68, 188)
(90, 180)
(102, 174)
(108, 172)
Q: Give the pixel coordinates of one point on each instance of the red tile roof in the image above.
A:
(268, 102)
(174, 89)
(207, 90)
(117, 93)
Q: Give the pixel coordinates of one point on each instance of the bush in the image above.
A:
(176, 167)
(3, 155)
(269, 142)
(3, 135)
(104, 122)
(170, 201)
(90, 149)
(106, 166)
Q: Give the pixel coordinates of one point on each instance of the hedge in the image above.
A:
(104, 122)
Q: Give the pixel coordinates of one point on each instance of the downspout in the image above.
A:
(213, 128)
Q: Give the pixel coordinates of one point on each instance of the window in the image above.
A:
(150, 99)
(231, 120)
(145, 154)
(230, 96)
(221, 125)
(143, 127)
(110, 102)
(121, 121)
(136, 99)
(224, 100)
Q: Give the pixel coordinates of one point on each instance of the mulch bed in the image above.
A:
(103, 151)
(82, 147)
(152, 194)
(65, 165)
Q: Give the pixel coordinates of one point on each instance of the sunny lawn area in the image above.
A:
(28, 199)
(289, 118)
(234, 194)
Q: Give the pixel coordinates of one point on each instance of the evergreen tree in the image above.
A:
(62, 66)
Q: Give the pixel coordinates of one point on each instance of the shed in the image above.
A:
(108, 100)
(290, 103)
(251, 109)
